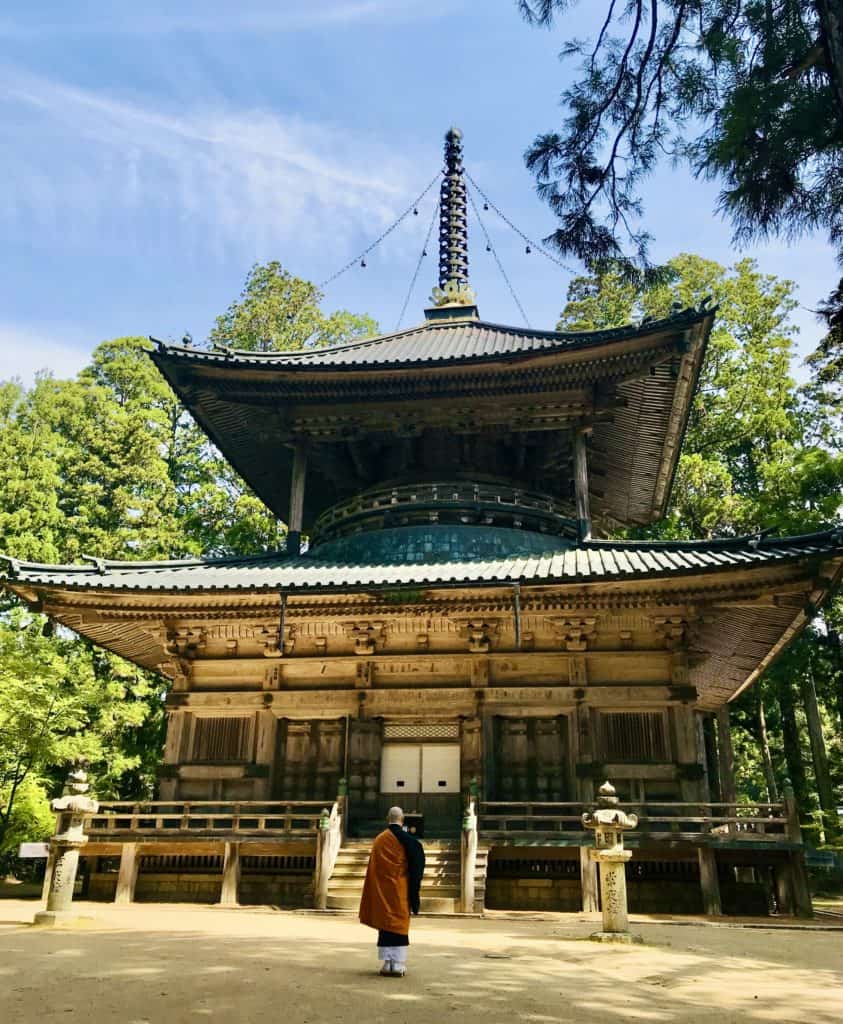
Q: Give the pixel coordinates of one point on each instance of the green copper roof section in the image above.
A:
(593, 562)
(436, 342)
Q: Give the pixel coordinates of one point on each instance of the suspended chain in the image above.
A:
(493, 251)
(358, 259)
(528, 241)
(422, 255)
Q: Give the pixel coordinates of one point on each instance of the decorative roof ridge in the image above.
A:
(687, 316)
(761, 538)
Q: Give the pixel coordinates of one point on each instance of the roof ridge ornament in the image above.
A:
(453, 288)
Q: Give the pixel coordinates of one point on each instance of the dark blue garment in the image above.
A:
(415, 864)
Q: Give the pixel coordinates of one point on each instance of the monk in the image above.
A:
(391, 892)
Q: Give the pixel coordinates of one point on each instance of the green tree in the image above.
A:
(277, 311)
(747, 92)
(750, 458)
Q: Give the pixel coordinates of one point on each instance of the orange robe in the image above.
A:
(385, 903)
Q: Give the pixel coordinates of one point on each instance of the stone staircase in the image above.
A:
(440, 891)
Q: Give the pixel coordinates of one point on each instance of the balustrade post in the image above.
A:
(127, 875)
(800, 891)
(709, 881)
(229, 891)
(468, 850)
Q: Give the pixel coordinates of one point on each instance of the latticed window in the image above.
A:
(222, 739)
(634, 736)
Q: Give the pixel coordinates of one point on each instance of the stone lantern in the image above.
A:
(72, 809)
(609, 823)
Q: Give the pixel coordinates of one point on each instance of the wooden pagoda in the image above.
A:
(456, 637)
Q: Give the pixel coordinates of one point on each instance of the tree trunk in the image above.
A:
(830, 13)
(764, 745)
(790, 741)
(825, 789)
(836, 646)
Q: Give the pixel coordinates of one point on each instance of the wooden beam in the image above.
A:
(589, 883)
(581, 485)
(297, 483)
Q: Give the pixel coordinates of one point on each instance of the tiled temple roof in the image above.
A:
(439, 342)
(593, 562)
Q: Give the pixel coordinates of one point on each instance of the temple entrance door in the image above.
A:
(530, 759)
(423, 778)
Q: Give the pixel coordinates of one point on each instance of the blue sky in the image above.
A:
(152, 153)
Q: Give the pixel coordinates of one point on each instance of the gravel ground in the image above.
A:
(168, 964)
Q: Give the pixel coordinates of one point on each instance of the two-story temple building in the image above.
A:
(456, 616)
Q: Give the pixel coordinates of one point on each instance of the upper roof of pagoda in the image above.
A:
(476, 400)
(448, 337)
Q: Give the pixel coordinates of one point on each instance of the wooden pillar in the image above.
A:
(725, 756)
(709, 882)
(128, 875)
(784, 887)
(581, 485)
(294, 523)
(230, 875)
(800, 891)
(589, 881)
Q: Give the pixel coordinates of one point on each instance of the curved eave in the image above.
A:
(433, 344)
(254, 408)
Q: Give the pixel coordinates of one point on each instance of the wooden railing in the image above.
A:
(444, 493)
(181, 818)
(328, 843)
(656, 820)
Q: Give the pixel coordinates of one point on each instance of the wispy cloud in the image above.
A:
(28, 349)
(82, 163)
(155, 19)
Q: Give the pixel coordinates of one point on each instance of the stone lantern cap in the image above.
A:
(609, 817)
(74, 800)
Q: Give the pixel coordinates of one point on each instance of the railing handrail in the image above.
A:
(211, 803)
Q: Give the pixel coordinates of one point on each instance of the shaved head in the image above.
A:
(395, 816)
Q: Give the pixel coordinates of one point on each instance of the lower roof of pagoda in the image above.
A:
(459, 396)
(747, 597)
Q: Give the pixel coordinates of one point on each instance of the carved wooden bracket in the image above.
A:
(269, 635)
(365, 636)
(670, 629)
(479, 633)
(184, 643)
(574, 632)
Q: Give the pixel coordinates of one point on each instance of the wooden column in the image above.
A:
(128, 875)
(800, 892)
(589, 882)
(581, 485)
(230, 875)
(709, 882)
(725, 756)
(297, 483)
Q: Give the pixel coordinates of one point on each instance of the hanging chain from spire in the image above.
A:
(490, 248)
(415, 277)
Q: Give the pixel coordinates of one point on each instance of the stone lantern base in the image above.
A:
(52, 918)
(623, 938)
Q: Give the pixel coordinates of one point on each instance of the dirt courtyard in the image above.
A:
(171, 964)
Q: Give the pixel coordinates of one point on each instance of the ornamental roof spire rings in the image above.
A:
(453, 288)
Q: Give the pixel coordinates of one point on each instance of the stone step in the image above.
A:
(429, 904)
